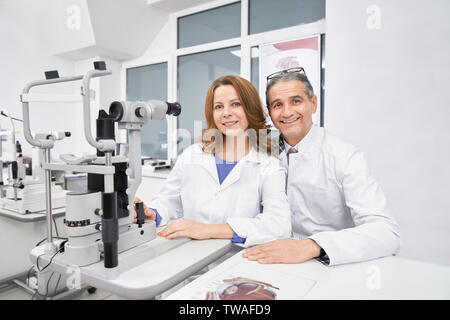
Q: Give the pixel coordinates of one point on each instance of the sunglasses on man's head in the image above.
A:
(278, 73)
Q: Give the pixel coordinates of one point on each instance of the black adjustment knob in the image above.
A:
(67, 134)
(98, 226)
(15, 169)
(173, 108)
(140, 212)
(18, 147)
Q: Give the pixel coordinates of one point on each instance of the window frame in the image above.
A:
(245, 41)
(125, 77)
(201, 11)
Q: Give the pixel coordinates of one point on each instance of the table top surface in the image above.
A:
(385, 278)
(30, 217)
(146, 270)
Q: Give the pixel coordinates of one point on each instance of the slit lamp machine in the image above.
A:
(99, 222)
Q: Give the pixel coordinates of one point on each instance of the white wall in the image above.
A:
(387, 93)
(73, 29)
(27, 51)
(25, 54)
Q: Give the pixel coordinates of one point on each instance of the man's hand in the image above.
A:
(283, 251)
(149, 213)
(186, 228)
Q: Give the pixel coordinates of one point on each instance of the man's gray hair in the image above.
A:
(288, 76)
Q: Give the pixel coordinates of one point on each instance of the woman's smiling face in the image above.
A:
(229, 114)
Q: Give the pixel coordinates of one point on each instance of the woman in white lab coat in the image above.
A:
(227, 186)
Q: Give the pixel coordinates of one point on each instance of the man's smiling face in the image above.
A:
(291, 109)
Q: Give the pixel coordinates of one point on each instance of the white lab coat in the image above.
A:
(251, 199)
(336, 201)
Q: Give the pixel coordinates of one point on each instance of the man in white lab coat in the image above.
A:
(339, 212)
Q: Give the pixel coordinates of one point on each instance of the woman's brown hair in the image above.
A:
(253, 109)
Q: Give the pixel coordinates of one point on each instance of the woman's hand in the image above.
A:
(186, 228)
(149, 213)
